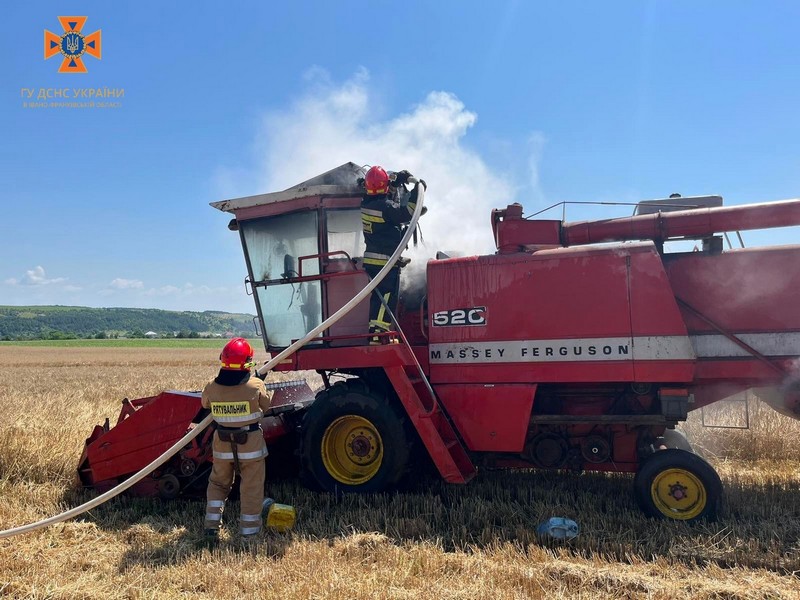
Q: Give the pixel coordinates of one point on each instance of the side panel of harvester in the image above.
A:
(752, 295)
(609, 311)
(509, 322)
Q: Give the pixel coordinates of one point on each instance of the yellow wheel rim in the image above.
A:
(678, 494)
(352, 450)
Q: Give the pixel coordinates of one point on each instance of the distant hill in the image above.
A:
(32, 322)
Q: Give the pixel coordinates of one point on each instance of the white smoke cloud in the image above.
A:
(536, 143)
(333, 124)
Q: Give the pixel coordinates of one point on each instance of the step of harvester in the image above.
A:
(433, 426)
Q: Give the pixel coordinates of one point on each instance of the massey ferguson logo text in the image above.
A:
(659, 347)
(460, 316)
(72, 44)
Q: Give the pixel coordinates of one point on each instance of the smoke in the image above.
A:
(333, 124)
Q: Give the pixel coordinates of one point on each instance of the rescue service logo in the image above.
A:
(72, 45)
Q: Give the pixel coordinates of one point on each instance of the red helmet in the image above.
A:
(237, 355)
(376, 181)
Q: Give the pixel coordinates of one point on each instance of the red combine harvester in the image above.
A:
(575, 346)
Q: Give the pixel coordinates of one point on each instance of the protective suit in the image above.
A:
(237, 402)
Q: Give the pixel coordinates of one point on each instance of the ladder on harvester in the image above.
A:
(428, 417)
(427, 414)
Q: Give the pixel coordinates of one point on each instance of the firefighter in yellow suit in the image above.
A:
(237, 402)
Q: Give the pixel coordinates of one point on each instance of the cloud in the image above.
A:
(191, 290)
(333, 124)
(126, 284)
(36, 277)
(164, 290)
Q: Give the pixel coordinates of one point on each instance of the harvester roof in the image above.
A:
(341, 181)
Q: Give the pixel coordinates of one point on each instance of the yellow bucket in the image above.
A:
(280, 517)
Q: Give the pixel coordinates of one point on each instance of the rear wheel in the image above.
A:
(675, 484)
(353, 440)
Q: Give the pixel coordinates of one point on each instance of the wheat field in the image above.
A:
(431, 540)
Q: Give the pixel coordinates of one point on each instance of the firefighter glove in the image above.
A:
(401, 178)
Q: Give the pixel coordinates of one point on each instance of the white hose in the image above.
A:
(176, 447)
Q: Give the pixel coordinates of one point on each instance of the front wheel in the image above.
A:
(675, 438)
(675, 484)
(353, 440)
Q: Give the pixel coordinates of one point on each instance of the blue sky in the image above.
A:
(490, 102)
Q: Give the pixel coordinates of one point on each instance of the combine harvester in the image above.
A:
(575, 346)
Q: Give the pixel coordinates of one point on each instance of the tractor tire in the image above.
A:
(674, 438)
(353, 440)
(676, 484)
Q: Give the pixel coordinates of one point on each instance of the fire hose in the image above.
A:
(193, 433)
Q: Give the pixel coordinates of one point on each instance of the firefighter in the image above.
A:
(383, 221)
(237, 402)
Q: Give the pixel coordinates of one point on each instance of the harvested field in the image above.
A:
(432, 540)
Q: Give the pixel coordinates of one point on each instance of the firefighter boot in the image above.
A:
(210, 537)
(375, 329)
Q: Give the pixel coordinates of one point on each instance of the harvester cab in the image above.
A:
(574, 346)
(300, 247)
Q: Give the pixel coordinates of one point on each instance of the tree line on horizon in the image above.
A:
(65, 322)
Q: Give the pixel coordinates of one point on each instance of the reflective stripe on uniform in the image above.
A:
(372, 218)
(240, 419)
(242, 455)
(382, 311)
(213, 516)
(249, 530)
(215, 503)
(374, 258)
(376, 326)
(250, 518)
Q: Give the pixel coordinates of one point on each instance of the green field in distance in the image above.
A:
(131, 343)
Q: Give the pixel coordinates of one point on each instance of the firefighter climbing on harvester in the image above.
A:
(237, 402)
(383, 219)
